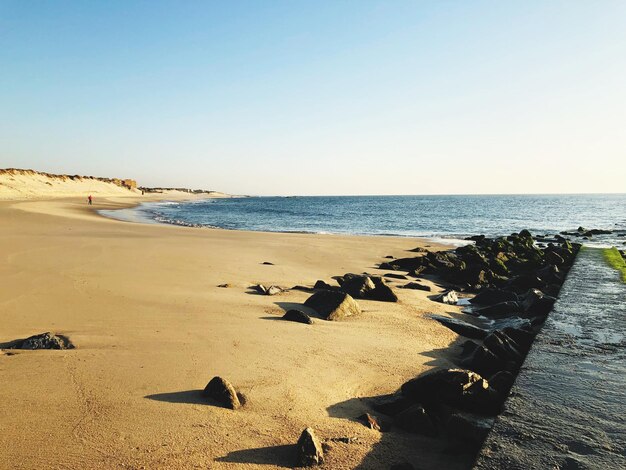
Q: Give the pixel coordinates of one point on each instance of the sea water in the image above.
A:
(448, 217)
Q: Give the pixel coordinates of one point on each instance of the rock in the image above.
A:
(458, 388)
(267, 263)
(416, 286)
(502, 382)
(493, 296)
(381, 292)
(448, 297)
(502, 309)
(390, 257)
(469, 427)
(391, 405)
(44, 341)
(522, 337)
(485, 362)
(224, 286)
(407, 264)
(260, 288)
(431, 386)
(374, 422)
(297, 316)
(535, 302)
(419, 249)
(323, 285)
(333, 305)
(415, 419)
(223, 392)
(463, 328)
(309, 450)
(273, 290)
(357, 286)
(503, 347)
(395, 276)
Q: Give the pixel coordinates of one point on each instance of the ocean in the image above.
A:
(450, 218)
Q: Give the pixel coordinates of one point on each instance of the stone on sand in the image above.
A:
(222, 391)
(333, 305)
(309, 449)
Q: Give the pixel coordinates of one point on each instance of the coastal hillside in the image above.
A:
(31, 184)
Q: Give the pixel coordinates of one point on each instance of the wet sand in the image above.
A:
(151, 328)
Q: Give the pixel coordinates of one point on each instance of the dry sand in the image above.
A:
(151, 327)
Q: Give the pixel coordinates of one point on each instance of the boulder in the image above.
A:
(260, 288)
(502, 382)
(357, 286)
(44, 341)
(503, 347)
(333, 305)
(381, 292)
(485, 362)
(223, 392)
(502, 309)
(309, 450)
(416, 286)
(297, 316)
(395, 276)
(493, 296)
(374, 422)
(535, 302)
(462, 328)
(415, 419)
(448, 297)
(391, 405)
(458, 388)
(323, 285)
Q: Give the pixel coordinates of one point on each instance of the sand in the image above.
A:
(151, 327)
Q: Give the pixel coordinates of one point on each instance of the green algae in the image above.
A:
(614, 258)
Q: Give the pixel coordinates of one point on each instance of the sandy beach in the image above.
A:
(151, 328)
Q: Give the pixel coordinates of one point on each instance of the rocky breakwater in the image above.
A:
(515, 282)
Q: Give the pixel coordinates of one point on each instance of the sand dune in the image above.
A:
(141, 304)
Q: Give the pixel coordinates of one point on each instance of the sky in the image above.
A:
(319, 97)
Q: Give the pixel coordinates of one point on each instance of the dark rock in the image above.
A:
(503, 347)
(375, 423)
(224, 286)
(44, 341)
(522, 337)
(485, 362)
(333, 305)
(391, 405)
(408, 264)
(458, 388)
(297, 316)
(260, 288)
(357, 286)
(476, 238)
(417, 272)
(416, 286)
(463, 328)
(309, 450)
(502, 382)
(381, 292)
(390, 257)
(493, 296)
(499, 310)
(223, 392)
(448, 297)
(395, 276)
(536, 302)
(468, 347)
(267, 263)
(468, 427)
(415, 419)
(388, 266)
(323, 285)
(419, 249)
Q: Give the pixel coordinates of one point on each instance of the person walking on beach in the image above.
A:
(90, 199)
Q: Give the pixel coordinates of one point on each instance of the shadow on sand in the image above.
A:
(278, 456)
(187, 396)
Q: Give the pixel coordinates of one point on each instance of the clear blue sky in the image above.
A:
(320, 97)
